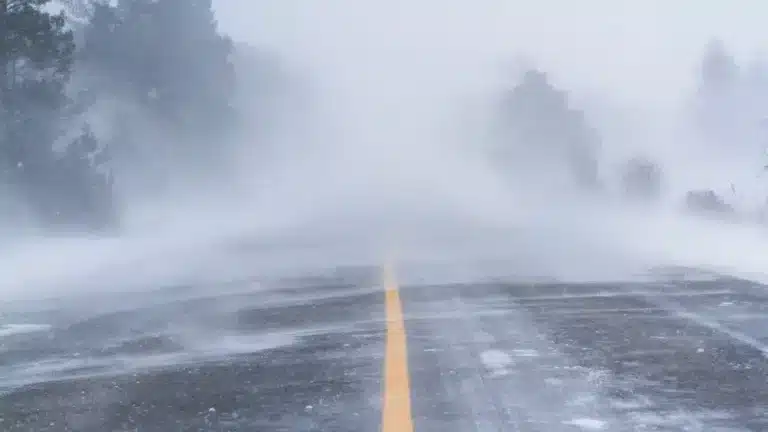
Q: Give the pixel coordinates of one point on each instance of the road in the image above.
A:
(360, 350)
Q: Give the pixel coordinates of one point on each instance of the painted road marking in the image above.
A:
(396, 413)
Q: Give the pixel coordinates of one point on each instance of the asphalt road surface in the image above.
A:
(358, 351)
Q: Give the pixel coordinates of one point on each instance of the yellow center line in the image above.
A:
(396, 413)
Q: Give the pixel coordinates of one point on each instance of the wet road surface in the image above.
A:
(310, 354)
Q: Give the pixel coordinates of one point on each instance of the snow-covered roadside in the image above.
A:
(671, 238)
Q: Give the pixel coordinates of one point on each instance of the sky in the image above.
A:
(640, 51)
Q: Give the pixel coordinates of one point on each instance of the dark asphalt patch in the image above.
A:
(328, 378)
(658, 358)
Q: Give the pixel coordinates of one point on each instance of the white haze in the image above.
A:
(391, 152)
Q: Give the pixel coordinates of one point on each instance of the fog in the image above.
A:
(386, 147)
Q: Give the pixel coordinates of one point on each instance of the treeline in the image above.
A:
(545, 136)
(94, 90)
(731, 100)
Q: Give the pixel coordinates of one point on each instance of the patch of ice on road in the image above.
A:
(16, 329)
(587, 423)
(553, 381)
(631, 404)
(525, 353)
(598, 377)
(496, 361)
(234, 344)
(583, 400)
